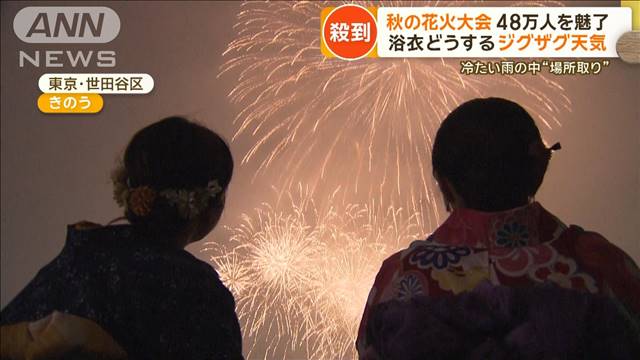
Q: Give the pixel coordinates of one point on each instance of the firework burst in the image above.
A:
(301, 269)
(276, 246)
(358, 239)
(301, 273)
(313, 113)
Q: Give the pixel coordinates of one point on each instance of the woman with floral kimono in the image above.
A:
(132, 290)
(501, 273)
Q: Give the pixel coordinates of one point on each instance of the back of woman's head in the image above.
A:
(491, 151)
(168, 159)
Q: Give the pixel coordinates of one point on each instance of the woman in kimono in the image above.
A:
(135, 281)
(502, 277)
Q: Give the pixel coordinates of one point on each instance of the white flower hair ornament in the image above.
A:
(139, 200)
(190, 203)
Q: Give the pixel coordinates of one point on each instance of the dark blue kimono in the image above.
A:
(156, 302)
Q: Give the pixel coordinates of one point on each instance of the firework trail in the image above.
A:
(231, 268)
(301, 274)
(313, 113)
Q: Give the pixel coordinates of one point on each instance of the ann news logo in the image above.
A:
(66, 25)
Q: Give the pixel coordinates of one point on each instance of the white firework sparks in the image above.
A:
(306, 271)
(301, 272)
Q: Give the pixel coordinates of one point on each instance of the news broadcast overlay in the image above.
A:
(351, 32)
(489, 40)
(80, 92)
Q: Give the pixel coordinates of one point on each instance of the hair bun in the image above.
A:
(141, 200)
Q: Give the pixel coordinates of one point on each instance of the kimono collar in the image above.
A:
(110, 236)
(522, 226)
(78, 236)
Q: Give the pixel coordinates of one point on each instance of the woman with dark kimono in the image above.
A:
(135, 281)
(502, 277)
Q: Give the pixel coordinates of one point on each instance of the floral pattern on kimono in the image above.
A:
(520, 247)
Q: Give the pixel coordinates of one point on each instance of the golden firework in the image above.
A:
(371, 121)
(301, 273)
(359, 134)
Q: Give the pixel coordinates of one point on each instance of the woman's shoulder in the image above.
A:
(122, 246)
(173, 268)
(117, 259)
(596, 253)
(200, 269)
(617, 271)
